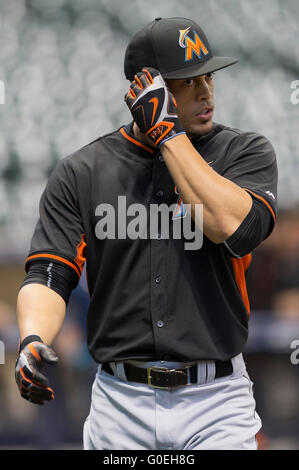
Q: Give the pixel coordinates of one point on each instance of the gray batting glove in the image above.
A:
(33, 385)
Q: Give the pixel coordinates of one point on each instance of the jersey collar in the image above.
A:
(203, 139)
(146, 150)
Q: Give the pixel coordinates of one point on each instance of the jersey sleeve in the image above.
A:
(59, 234)
(250, 162)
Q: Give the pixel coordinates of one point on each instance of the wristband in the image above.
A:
(29, 339)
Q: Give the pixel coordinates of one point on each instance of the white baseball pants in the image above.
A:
(215, 415)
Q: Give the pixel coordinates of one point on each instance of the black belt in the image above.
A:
(160, 377)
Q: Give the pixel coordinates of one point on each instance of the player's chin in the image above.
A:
(199, 128)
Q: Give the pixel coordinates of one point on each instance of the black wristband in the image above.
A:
(29, 339)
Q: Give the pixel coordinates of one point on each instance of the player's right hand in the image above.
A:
(33, 385)
(153, 107)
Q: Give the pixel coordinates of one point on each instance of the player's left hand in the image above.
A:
(153, 107)
(33, 385)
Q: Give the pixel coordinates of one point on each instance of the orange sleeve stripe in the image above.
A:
(49, 255)
(136, 142)
(238, 266)
(264, 201)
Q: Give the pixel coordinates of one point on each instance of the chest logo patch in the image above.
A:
(180, 210)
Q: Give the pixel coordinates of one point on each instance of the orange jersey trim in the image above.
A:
(136, 142)
(80, 258)
(240, 265)
(264, 201)
(49, 255)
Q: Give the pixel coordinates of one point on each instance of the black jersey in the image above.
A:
(150, 298)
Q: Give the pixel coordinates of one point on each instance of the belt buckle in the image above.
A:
(162, 369)
(149, 377)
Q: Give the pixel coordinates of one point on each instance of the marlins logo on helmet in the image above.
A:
(196, 46)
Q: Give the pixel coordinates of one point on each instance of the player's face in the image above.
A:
(195, 100)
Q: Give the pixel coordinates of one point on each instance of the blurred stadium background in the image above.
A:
(57, 58)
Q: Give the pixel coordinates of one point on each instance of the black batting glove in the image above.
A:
(153, 107)
(33, 385)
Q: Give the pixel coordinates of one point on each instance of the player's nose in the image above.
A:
(202, 88)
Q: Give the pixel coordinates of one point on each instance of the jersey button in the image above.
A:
(160, 193)
(160, 323)
(158, 279)
(161, 158)
(158, 236)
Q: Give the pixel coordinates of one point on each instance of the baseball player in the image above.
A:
(167, 325)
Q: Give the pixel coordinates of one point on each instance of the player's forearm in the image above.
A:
(225, 205)
(40, 311)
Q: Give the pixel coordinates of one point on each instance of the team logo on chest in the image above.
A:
(180, 210)
(195, 46)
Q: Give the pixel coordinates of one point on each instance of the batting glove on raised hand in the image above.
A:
(33, 385)
(153, 107)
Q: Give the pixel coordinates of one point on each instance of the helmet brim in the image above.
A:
(211, 65)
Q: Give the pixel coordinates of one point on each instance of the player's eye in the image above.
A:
(188, 82)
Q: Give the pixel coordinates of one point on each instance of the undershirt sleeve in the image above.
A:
(56, 276)
(254, 229)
